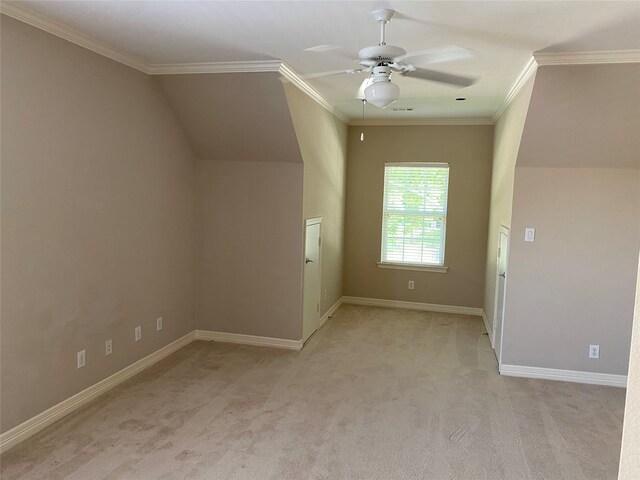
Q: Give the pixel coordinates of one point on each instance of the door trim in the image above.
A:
(312, 221)
(507, 232)
(307, 223)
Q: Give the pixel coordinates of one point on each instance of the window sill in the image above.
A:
(419, 268)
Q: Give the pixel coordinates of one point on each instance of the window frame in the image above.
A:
(430, 267)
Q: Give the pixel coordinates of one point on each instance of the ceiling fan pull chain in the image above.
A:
(362, 133)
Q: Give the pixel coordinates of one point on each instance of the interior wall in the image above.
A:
(323, 144)
(575, 285)
(629, 458)
(250, 248)
(468, 150)
(583, 116)
(506, 138)
(576, 182)
(250, 201)
(98, 219)
(234, 116)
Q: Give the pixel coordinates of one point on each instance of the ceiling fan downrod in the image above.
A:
(381, 61)
(382, 16)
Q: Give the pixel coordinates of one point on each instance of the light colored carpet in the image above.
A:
(376, 394)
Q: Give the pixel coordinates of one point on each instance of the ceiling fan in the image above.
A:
(382, 60)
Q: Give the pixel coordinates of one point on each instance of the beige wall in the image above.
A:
(468, 150)
(234, 116)
(97, 219)
(629, 458)
(250, 248)
(506, 138)
(575, 285)
(585, 116)
(576, 182)
(249, 218)
(323, 145)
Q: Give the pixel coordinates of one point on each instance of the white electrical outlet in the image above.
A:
(594, 351)
(82, 358)
(158, 324)
(138, 333)
(108, 347)
(411, 285)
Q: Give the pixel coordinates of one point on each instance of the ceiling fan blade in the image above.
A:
(446, 53)
(441, 77)
(330, 50)
(322, 48)
(365, 83)
(329, 73)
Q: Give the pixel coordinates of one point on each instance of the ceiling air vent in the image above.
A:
(403, 109)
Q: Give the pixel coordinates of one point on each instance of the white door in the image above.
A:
(501, 284)
(311, 287)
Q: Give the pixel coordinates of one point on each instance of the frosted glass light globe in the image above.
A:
(382, 94)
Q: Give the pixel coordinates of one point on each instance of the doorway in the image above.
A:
(501, 285)
(311, 285)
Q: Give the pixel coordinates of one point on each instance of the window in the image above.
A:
(414, 213)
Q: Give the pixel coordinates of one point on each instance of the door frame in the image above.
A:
(307, 223)
(507, 232)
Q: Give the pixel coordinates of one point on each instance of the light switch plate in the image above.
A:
(529, 234)
(82, 358)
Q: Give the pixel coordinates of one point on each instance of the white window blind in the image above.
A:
(414, 214)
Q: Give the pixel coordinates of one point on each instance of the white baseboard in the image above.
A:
(249, 340)
(330, 312)
(428, 307)
(564, 375)
(26, 429)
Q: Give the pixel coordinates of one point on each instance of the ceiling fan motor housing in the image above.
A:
(381, 74)
(380, 54)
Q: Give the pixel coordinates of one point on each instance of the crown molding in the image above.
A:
(73, 36)
(215, 67)
(287, 72)
(568, 58)
(257, 66)
(587, 58)
(522, 79)
(43, 23)
(539, 59)
(422, 121)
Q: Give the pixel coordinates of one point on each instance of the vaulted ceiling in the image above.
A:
(503, 35)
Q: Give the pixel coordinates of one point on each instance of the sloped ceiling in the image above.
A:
(583, 116)
(502, 33)
(238, 117)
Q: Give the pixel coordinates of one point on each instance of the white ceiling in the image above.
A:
(503, 33)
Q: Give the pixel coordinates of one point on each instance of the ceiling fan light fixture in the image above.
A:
(382, 94)
(382, 60)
